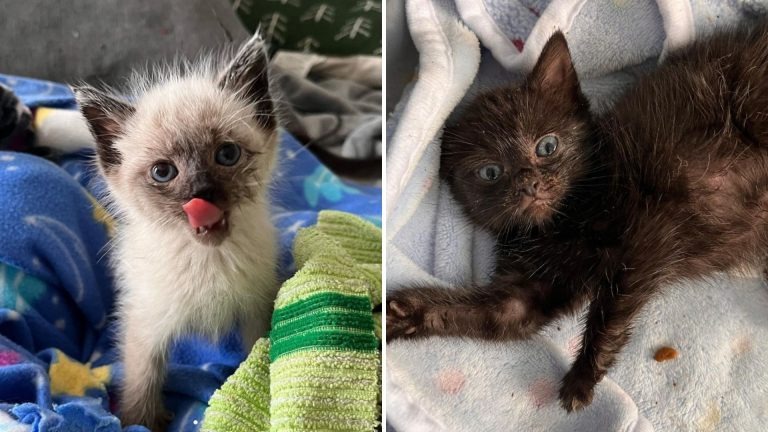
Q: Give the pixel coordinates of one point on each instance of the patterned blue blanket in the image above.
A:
(58, 367)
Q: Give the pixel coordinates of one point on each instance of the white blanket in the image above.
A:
(718, 327)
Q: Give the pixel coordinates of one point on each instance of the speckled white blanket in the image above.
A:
(718, 327)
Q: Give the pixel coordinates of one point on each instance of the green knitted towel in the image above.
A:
(321, 368)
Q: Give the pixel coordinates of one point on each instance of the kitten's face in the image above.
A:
(192, 140)
(199, 137)
(517, 152)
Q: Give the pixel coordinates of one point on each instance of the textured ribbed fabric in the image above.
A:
(321, 368)
(242, 403)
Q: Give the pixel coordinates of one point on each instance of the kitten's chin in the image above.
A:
(538, 212)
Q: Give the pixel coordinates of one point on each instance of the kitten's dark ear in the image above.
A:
(106, 116)
(248, 75)
(554, 72)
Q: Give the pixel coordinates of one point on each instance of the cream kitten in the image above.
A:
(188, 164)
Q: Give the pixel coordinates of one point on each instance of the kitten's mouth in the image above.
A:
(538, 208)
(221, 224)
(534, 203)
(208, 222)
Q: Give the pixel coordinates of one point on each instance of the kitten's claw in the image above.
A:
(404, 317)
(576, 391)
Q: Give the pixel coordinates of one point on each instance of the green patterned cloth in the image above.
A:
(321, 367)
(330, 27)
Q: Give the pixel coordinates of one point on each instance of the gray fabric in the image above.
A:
(402, 57)
(364, 142)
(105, 39)
(333, 102)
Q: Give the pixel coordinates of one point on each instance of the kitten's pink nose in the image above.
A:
(202, 213)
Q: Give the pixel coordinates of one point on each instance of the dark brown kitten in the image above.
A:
(671, 184)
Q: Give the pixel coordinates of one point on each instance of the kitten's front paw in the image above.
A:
(405, 317)
(576, 391)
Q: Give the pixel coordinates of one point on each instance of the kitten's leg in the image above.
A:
(606, 332)
(507, 308)
(144, 353)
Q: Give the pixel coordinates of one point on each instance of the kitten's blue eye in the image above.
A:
(546, 146)
(490, 173)
(163, 172)
(228, 154)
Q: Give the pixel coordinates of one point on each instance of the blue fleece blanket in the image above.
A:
(58, 367)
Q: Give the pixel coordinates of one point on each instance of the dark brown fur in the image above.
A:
(671, 184)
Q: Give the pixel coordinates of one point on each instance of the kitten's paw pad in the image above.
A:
(404, 319)
(576, 392)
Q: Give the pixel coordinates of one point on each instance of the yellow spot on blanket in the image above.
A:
(74, 378)
(41, 114)
(101, 215)
(709, 422)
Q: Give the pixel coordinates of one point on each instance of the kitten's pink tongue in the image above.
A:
(202, 213)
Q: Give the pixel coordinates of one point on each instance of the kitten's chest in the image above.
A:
(187, 276)
(575, 253)
(174, 270)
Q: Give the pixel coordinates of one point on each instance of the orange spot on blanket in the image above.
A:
(664, 354)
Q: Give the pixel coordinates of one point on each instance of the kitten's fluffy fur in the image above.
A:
(171, 281)
(670, 184)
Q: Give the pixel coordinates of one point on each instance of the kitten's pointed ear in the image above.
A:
(106, 116)
(554, 72)
(248, 75)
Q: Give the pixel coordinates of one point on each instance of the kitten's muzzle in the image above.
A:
(208, 222)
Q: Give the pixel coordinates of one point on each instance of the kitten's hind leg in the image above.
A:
(144, 353)
(508, 308)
